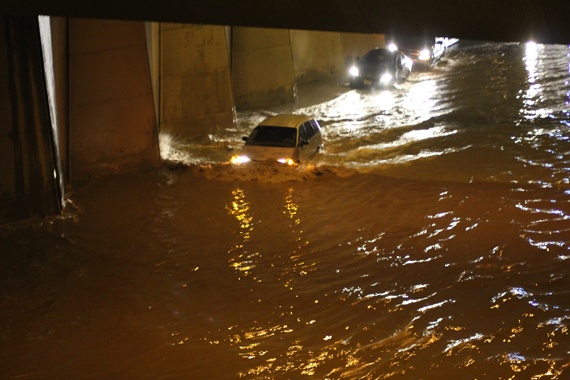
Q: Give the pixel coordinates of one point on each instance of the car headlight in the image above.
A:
(424, 55)
(354, 71)
(286, 161)
(239, 159)
(386, 78)
(392, 47)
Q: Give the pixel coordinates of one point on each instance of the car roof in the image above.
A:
(286, 120)
(382, 50)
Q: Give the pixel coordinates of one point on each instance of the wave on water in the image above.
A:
(262, 172)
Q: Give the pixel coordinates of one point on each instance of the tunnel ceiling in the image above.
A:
(545, 21)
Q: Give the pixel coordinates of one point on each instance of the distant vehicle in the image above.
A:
(450, 41)
(284, 138)
(427, 51)
(380, 66)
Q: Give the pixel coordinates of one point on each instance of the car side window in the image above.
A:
(310, 128)
(315, 126)
(303, 136)
(305, 132)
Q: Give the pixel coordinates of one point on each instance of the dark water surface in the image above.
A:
(430, 240)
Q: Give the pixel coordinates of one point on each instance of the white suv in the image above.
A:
(285, 138)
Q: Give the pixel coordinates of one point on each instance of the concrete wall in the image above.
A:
(262, 67)
(195, 84)
(317, 55)
(112, 125)
(354, 45)
(267, 64)
(28, 170)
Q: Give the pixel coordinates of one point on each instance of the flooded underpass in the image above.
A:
(429, 240)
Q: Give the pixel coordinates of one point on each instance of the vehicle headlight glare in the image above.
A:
(354, 71)
(424, 55)
(386, 78)
(239, 159)
(286, 161)
(392, 47)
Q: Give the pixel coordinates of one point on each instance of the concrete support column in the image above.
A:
(262, 67)
(195, 95)
(54, 41)
(28, 170)
(153, 49)
(112, 124)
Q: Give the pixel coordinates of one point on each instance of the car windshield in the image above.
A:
(273, 136)
(377, 57)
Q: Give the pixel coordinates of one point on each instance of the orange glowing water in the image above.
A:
(429, 240)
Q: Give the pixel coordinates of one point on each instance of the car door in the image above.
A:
(318, 137)
(306, 133)
(403, 70)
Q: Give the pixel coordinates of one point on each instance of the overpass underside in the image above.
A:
(89, 91)
(85, 98)
(545, 21)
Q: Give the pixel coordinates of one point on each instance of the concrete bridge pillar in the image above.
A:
(112, 124)
(195, 85)
(262, 67)
(29, 177)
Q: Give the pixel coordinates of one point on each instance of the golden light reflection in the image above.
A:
(273, 364)
(357, 362)
(519, 363)
(244, 262)
(239, 208)
(461, 344)
(291, 207)
(256, 343)
(299, 265)
(291, 210)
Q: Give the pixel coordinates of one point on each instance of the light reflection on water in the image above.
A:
(442, 252)
(420, 100)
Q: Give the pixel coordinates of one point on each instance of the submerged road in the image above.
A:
(429, 240)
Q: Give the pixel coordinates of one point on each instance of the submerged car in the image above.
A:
(285, 138)
(380, 66)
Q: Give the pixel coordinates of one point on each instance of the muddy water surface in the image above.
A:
(428, 241)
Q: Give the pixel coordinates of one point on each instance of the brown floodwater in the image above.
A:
(429, 240)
